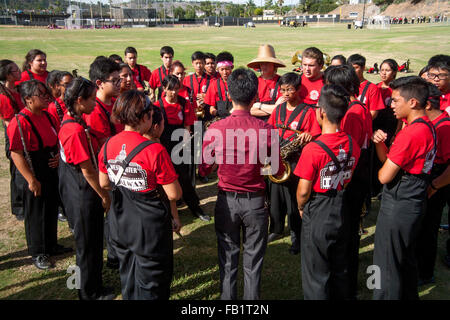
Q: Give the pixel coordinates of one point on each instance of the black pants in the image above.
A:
(85, 213)
(397, 229)
(233, 213)
(324, 247)
(111, 253)
(428, 237)
(184, 178)
(283, 200)
(16, 191)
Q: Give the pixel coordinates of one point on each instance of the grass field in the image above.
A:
(196, 273)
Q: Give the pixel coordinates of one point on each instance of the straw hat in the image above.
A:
(266, 53)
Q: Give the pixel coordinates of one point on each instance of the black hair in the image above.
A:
(102, 68)
(157, 116)
(79, 87)
(115, 57)
(334, 101)
(392, 64)
(424, 70)
(340, 57)
(166, 50)
(27, 89)
(131, 107)
(412, 87)
(100, 58)
(209, 55)
(53, 78)
(291, 78)
(356, 59)
(198, 55)
(434, 96)
(5, 70)
(345, 76)
(124, 65)
(224, 56)
(31, 55)
(170, 82)
(438, 59)
(130, 50)
(242, 86)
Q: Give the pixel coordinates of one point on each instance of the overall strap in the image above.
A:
(105, 160)
(59, 110)
(182, 103)
(141, 81)
(292, 117)
(108, 115)
(441, 121)
(208, 79)
(38, 136)
(68, 121)
(363, 94)
(275, 92)
(358, 103)
(219, 90)
(433, 131)
(30, 74)
(160, 89)
(49, 119)
(191, 78)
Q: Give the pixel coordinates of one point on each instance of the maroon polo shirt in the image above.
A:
(233, 143)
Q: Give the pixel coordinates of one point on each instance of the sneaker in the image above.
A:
(59, 249)
(274, 237)
(201, 215)
(294, 249)
(62, 217)
(112, 263)
(42, 262)
(20, 217)
(422, 282)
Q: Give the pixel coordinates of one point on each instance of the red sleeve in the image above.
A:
(163, 167)
(443, 134)
(55, 121)
(23, 77)
(76, 148)
(272, 119)
(146, 73)
(14, 135)
(187, 82)
(52, 110)
(211, 95)
(154, 79)
(98, 123)
(101, 165)
(312, 126)
(352, 124)
(6, 108)
(402, 149)
(375, 99)
(307, 170)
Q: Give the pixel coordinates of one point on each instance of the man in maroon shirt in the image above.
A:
(241, 199)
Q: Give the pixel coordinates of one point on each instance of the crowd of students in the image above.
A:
(98, 151)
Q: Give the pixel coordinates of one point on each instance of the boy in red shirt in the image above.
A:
(312, 77)
(438, 190)
(268, 83)
(199, 81)
(369, 93)
(140, 72)
(295, 116)
(405, 173)
(159, 74)
(217, 95)
(210, 65)
(439, 75)
(327, 165)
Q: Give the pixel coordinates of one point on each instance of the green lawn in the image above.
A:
(196, 273)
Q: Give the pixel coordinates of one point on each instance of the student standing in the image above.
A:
(405, 173)
(126, 76)
(34, 66)
(199, 81)
(327, 167)
(11, 104)
(312, 77)
(159, 74)
(210, 65)
(57, 82)
(140, 72)
(240, 203)
(135, 169)
(439, 74)
(85, 201)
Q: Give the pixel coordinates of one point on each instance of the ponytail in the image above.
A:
(79, 87)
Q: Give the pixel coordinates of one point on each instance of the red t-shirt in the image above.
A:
(266, 89)
(199, 84)
(445, 102)
(443, 140)
(309, 123)
(372, 98)
(174, 112)
(184, 92)
(413, 148)
(155, 82)
(386, 94)
(46, 131)
(318, 167)
(148, 169)
(6, 107)
(99, 122)
(212, 95)
(54, 112)
(74, 144)
(25, 77)
(145, 74)
(310, 90)
(357, 122)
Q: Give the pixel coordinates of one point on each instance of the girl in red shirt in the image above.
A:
(34, 66)
(126, 75)
(10, 104)
(139, 172)
(85, 201)
(34, 150)
(57, 81)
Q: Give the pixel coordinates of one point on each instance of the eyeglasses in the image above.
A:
(290, 90)
(440, 76)
(115, 82)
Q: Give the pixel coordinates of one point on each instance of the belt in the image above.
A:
(421, 176)
(247, 195)
(329, 193)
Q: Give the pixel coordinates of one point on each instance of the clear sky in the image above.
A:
(257, 2)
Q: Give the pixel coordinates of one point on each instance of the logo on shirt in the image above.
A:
(429, 160)
(133, 178)
(180, 115)
(204, 88)
(271, 92)
(365, 99)
(294, 125)
(314, 95)
(330, 178)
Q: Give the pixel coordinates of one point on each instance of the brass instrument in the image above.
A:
(285, 152)
(210, 122)
(297, 58)
(200, 112)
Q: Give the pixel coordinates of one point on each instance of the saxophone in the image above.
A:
(285, 151)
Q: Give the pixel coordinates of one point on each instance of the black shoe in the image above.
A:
(201, 215)
(20, 217)
(180, 203)
(423, 282)
(59, 249)
(72, 231)
(294, 249)
(42, 262)
(274, 237)
(112, 263)
(62, 217)
(106, 293)
(203, 179)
